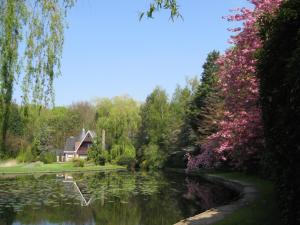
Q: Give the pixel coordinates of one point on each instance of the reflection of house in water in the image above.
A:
(81, 189)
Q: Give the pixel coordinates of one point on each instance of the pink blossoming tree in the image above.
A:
(240, 135)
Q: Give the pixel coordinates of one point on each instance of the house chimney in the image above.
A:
(103, 139)
(81, 135)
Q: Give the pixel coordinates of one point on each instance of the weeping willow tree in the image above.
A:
(31, 40)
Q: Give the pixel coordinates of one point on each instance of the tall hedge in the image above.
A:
(279, 69)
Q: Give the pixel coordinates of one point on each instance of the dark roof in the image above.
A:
(70, 144)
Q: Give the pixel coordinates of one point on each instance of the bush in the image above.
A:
(122, 154)
(48, 157)
(97, 154)
(78, 162)
(153, 158)
(115, 152)
(100, 160)
(25, 155)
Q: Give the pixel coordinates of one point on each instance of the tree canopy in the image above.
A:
(39, 26)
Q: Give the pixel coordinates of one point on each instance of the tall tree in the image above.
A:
(279, 71)
(181, 131)
(42, 25)
(120, 119)
(154, 130)
(205, 109)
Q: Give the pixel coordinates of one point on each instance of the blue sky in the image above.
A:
(109, 52)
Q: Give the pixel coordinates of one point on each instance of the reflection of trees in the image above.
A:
(118, 212)
(202, 194)
(118, 198)
(206, 195)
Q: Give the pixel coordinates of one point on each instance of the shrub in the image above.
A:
(78, 162)
(126, 156)
(48, 157)
(97, 154)
(25, 155)
(153, 158)
(100, 160)
(123, 154)
(115, 152)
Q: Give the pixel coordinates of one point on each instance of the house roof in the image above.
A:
(70, 144)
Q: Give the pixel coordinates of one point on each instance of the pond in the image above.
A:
(106, 198)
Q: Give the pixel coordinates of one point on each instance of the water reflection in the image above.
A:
(69, 180)
(115, 198)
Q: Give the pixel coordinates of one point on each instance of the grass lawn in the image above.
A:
(263, 211)
(54, 167)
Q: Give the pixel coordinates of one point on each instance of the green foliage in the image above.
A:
(165, 123)
(43, 128)
(84, 113)
(42, 24)
(206, 107)
(154, 129)
(279, 66)
(58, 124)
(25, 155)
(16, 121)
(181, 135)
(97, 154)
(11, 16)
(120, 119)
(153, 158)
(127, 161)
(123, 154)
(155, 114)
(77, 162)
(158, 5)
(115, 152)
(48, 157)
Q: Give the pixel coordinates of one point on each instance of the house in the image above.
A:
(77, 147)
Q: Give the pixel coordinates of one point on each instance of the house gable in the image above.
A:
(86, 142)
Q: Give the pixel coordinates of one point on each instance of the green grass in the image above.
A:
(263, 211)
(53, 168)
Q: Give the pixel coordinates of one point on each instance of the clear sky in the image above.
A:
(109, 52)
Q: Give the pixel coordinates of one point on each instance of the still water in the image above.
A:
(110, 198)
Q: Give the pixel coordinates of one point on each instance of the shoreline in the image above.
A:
(24, 169)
